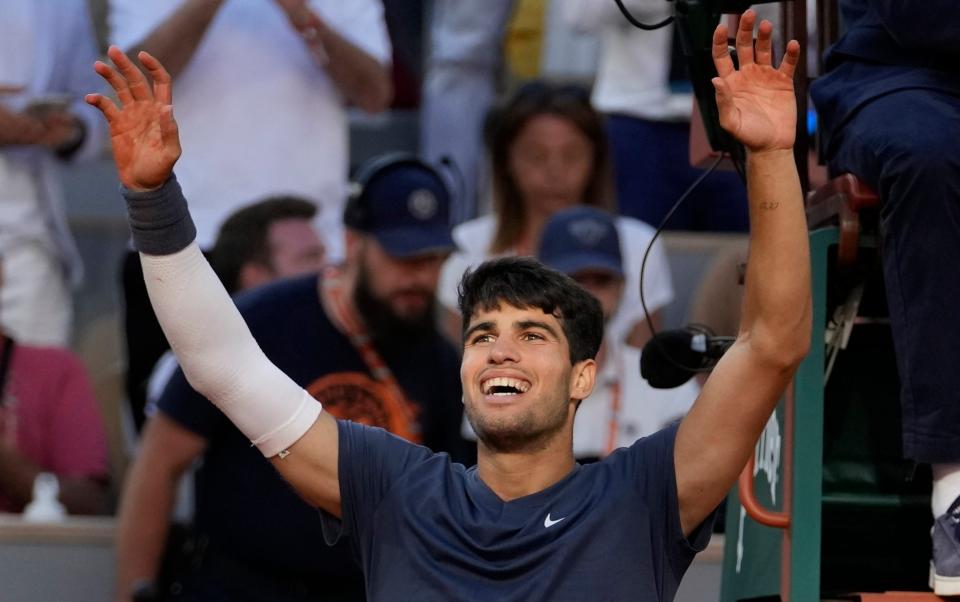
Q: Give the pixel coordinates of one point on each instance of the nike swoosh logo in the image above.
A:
(548, 522)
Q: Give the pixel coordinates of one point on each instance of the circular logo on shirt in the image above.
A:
(422, 204)
(356, 397)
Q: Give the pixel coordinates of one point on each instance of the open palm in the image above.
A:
(757, 103)
(143, 133)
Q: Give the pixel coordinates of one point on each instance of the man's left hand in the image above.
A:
(757, 102)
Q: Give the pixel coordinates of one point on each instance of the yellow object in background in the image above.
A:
(523, 43)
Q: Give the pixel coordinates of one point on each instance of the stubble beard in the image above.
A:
(520, 433)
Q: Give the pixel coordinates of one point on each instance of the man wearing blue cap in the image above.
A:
(583, 242)
(360, 338)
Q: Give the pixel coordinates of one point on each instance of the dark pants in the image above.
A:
(145, 340)
(652, 169)
(220, 577)
(906, 146)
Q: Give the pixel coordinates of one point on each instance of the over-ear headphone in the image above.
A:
(356, 213)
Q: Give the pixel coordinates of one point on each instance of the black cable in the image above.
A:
(646, 254)
(738, 165)
(633, 20)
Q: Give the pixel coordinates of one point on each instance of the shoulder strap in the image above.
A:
(349, 323)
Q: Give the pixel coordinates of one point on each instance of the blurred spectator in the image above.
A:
(46, 49)
(890, 105)
(549, 152)
(271, 239)
(649, 125)
(583, 243)
(465, 52)
(49, 422)
(403, 377)
(717, 301)
(282, 132)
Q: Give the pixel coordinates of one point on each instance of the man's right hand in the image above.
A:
(143, 133)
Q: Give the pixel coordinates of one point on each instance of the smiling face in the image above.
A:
(519, 387)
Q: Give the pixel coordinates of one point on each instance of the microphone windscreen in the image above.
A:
(668, 360)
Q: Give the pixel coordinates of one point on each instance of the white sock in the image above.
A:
(946, 487)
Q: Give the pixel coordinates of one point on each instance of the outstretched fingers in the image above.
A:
(136, 81)
(728, 113)
(106, 106)
(745, 38)
(162, 82)
(169, 132)
(790, 58)
(116, 81)
(721, 51)
(764, 48)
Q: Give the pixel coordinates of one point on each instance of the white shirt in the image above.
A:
(634, 66)
(258, 116)
(46, 47)
(473, 240)
(642, 410)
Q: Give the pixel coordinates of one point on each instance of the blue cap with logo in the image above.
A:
(581, 238)
(404, 203)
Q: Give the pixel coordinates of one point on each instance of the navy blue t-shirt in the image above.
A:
(426, 528)
(243, 506)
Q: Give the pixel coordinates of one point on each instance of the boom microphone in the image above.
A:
(672, 357)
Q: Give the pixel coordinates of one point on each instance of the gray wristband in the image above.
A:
(159, 219)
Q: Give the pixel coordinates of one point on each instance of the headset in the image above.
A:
(356, 213)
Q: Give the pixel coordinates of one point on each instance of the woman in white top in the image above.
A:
(548, 152)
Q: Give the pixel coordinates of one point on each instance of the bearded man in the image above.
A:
(360, 338)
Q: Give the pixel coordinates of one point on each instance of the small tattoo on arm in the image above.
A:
(769, 204)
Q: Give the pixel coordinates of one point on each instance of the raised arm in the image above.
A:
(757, 105)
(175, 39)
(218, 354)
(360, 77)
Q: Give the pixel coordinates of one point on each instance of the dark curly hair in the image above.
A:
(524, 282)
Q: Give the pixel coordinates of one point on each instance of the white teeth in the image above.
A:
(503, 381)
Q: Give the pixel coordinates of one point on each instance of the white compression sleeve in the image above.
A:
(220, 357)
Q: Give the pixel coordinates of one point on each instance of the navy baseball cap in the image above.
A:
(405, 204)
(581, 238)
